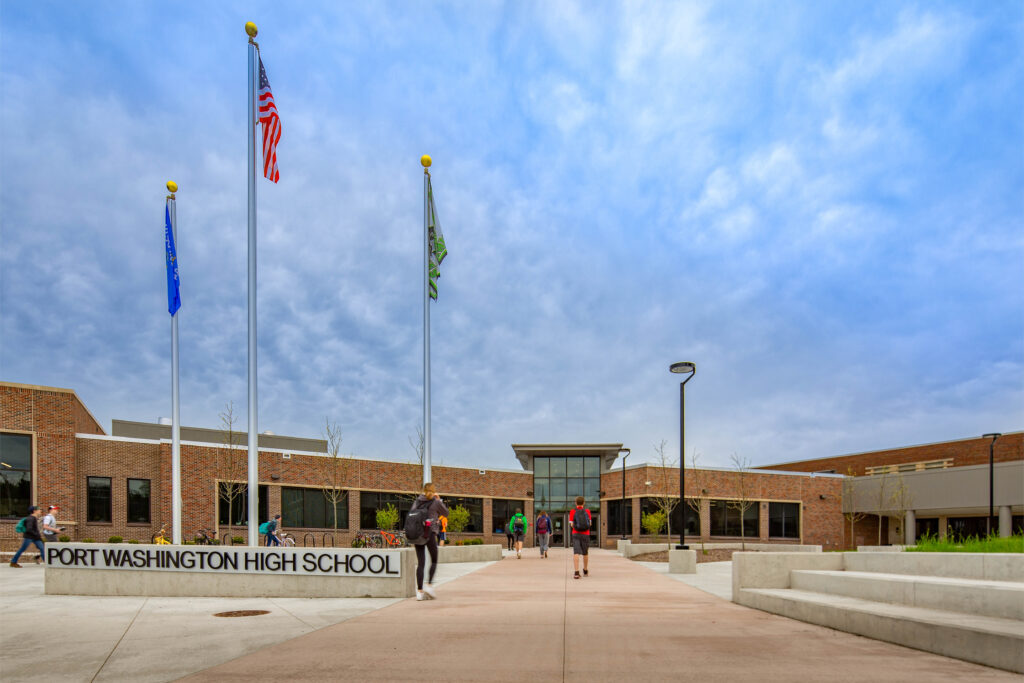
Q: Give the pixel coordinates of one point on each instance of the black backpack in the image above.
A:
(581, 520)
(518, 525)
(417, 523)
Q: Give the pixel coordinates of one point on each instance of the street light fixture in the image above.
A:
(622, 512)
(991, 476)
(689, 370)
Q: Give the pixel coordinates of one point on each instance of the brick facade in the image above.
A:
(69, 446)
(974, 451)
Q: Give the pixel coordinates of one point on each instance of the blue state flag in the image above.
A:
(173, 293)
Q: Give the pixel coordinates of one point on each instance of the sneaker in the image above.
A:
(429, 590)
(586, 573)
(420, 596)
(519, 555)
(15, 565)
(576, 575)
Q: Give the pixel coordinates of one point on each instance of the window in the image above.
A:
(502, 511)
(233, 504)
(648, 505)
(370, 502)
(310, 509)
(614, 514)
(784, 520)
(558, 480)
(476, 511)
(15, 475)
(98, 499)
(962, 528)
(725, 520)
(138, 501)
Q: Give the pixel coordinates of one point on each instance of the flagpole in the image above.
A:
(253, 441)
(425, 161)
(172, 207)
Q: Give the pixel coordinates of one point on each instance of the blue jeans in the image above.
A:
(25, 543)
(272, 540)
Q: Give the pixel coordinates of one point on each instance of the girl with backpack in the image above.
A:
(435, 509)
(543, 532)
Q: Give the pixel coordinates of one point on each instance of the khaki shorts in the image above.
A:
(581, 544)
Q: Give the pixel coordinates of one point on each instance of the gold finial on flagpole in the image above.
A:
(172, 187)
(251, 29)
(425, 160)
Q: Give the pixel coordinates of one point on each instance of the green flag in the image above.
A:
(436, 239)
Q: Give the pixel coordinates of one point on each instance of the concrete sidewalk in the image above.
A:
(529, 619)
(50, 638)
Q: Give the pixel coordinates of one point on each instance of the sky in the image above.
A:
(821, 204)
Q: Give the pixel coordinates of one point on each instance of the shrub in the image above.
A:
(237, 540)
(214, 541)
(64, 538)
(458, 518)
(358, 543)
(115, 539)
(387, 518)
(188, 542)
(132, 540)
(88, 540)
(654, 522)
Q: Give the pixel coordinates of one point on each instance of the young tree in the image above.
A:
(332, 470)
(664, 480)
(850, 494)
(881, 502)
(900, 502)
(699, 479)
(230, 466)
(743, 501)
(653, 522)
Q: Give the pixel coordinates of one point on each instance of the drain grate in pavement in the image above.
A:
(243, 613)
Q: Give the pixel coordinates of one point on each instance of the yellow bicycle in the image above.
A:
(160, 537)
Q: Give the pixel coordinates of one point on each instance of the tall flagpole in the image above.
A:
(425, 160)
(172, 207)
(253, 482)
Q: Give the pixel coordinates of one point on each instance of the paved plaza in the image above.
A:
(510, 620)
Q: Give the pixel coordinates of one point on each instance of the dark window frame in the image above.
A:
(297, 519)
(94, 513)
(240, 505)
(780, 523)
(133, 500)
(16, 479)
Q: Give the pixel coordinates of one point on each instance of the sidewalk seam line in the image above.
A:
(118, 643)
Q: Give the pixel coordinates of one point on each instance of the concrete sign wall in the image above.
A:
(227, 560)
(208, 571)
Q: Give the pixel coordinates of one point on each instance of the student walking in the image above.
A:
(543, 526)
(271, 532)
(519, 526)
(30, 536)
(508, 535)
(49, 525)
(428, 542)
(579, 521)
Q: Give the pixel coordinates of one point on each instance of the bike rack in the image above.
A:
(309, 536)
(324, 539)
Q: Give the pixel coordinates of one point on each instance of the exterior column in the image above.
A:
(910, 528)
(1005, 521)
(943, 527)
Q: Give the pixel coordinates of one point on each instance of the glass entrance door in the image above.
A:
(560, 534)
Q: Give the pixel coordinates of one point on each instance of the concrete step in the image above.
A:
(1001, 599)
(991, 641)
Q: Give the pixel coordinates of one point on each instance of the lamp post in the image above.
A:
(688, 369)
(991, 477)
(622, 512)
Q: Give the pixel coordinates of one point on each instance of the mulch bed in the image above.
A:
(714, 555)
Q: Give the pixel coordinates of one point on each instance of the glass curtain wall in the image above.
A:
(15, 475)
(502, 511)
(557, 480)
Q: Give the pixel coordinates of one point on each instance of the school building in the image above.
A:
(54, 452)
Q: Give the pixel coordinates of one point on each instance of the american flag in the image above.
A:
(271, 126)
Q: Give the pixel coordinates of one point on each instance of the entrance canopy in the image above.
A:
(608, 452)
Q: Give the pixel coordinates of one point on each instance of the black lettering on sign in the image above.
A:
(308, 562)
(353, 560)
(339, 560)
(380, 564)
(391, 571)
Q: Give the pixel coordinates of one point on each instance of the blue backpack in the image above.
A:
(20, 526)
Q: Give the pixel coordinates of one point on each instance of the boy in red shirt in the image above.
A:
(579, 522)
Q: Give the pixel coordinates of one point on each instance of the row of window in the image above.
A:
(724, 518)
(99, 500)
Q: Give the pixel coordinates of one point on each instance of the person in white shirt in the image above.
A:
(49, 525)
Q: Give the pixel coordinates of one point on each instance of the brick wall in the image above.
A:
(974, 451)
